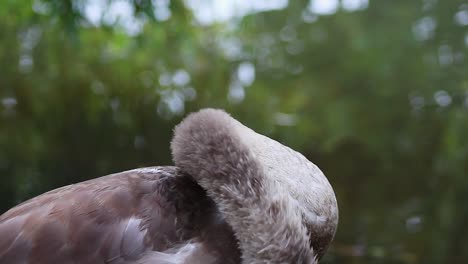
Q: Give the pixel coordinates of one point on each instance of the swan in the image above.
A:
(233, 196)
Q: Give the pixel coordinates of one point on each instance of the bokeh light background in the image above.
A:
(374, 92)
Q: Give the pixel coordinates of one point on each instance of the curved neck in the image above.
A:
(263, 217)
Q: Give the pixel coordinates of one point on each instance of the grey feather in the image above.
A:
(258, 186)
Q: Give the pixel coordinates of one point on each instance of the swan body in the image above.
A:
(233, 196)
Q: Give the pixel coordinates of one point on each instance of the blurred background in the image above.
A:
(374, 92)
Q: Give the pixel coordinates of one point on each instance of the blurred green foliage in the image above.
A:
(377, 97)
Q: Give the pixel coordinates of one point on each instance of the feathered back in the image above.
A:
(280, 205)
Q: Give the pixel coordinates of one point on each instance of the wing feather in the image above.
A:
(91, 222)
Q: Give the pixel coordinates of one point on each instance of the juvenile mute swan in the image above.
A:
(233, 196)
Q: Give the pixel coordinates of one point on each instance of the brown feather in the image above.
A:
(120, 218)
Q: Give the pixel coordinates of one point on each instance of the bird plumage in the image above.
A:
(120, 218)
(234, 196)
